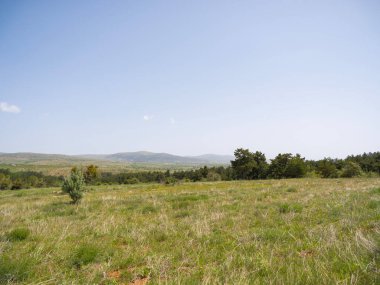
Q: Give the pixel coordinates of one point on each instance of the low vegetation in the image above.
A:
(289, 231)
(246, 166)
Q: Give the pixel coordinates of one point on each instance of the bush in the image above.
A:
(18, 234)
(286, 208)
(351, 169)
(14, 270)
(85, 254)
(327, 169)
(73, 185)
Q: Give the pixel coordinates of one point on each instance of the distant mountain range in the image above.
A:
(127, 157)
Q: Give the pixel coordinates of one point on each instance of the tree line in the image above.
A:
(247, 165)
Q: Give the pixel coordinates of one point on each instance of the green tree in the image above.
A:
(351, 169)
(74, 185)
(327, 169)
(285, 165)
(278, 165)
(296, 167)
(248, 165)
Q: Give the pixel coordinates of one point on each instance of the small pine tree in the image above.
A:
(73, 185)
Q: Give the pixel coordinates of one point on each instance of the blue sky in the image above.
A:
(190, 77)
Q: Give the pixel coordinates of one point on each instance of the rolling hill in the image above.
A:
(127, 157)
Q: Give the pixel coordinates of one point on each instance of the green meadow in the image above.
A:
(296, 231)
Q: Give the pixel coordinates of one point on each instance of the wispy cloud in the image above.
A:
(172, 121)
(147, 117)
(5, 107)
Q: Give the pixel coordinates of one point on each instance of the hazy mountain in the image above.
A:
(127, 157)
(152, 157)
(29, 157)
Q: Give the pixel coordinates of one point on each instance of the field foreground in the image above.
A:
(301, 231)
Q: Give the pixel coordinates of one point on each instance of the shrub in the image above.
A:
(13, 270)
(73, 185)
(286, 208)
(291, 189)
(375, 190)
(149, 209)
(18, 234)
(327, 169)
(85, 254)
(351, 169)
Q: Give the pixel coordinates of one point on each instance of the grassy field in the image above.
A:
(301, 231)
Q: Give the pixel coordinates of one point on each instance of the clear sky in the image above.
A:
(190, 77)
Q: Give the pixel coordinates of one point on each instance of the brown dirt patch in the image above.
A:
(306, 253)
(114, 274)
(140, 281)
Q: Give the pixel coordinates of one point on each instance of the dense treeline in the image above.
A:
(246, 165)
(27, 179)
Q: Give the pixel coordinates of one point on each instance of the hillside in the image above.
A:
(125, 157)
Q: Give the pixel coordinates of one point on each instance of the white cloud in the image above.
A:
(5, 107)
(147, 117)
(172, 121)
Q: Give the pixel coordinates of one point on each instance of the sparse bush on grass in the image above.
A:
(291, 189)
(181, 205)
(73, 185)
(376, 190)
(284, 208)
(159, 235)
(287, 208)
(373, 204)
(58, 210)
(85, 254)
(14, 270)
(149, 209)
(182, 214)
(18, 234)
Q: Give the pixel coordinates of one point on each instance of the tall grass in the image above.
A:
(300, 231)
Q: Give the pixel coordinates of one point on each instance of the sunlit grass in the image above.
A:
(301, 231)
